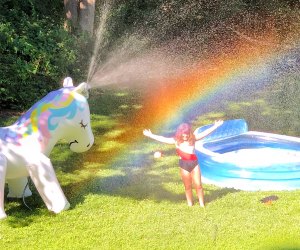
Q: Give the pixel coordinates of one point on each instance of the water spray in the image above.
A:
(100, 39)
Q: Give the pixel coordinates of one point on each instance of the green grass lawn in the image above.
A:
(123, 198)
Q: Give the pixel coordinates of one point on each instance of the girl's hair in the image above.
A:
(184, 128)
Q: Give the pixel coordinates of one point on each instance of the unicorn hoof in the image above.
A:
(2, 216)
(60, 209)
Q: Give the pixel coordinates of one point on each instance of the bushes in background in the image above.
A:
(36, 52)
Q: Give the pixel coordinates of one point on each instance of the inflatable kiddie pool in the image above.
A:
(234, 157)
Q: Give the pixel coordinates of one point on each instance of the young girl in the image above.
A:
(184, 141)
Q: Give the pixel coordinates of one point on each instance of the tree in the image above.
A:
(80, 14)
(87, 15)
(71, 12)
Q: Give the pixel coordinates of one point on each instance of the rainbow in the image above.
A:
(184, 98)
(213, 81)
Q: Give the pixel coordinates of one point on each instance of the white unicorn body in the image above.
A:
(26, 145)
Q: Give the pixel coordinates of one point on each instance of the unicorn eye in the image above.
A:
(82, 125)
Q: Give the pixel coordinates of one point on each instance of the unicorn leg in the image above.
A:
(3, 166)
(43, 176)
(17, 187)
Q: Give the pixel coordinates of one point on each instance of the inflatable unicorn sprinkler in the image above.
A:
(26, 145)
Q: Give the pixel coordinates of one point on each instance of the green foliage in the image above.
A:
(36, 53)
(53, 9)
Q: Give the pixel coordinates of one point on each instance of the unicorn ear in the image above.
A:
(83, 88)
(68, 82)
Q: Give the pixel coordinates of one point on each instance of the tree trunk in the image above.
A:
(87, 15)
(71, 10)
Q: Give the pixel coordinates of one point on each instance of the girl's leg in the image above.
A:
(187, 181)
(196, 176)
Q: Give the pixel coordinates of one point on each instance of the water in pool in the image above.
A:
(253, 157)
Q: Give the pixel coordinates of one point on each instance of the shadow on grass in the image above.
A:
(138, 176)
(134, 175)
(215, 194)
(21, 215)
(126, 171)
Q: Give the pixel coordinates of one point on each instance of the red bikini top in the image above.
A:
(186, 156)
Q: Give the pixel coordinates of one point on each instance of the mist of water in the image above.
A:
(139, 57)
(150, 54)
(134, 63)
(100, 42)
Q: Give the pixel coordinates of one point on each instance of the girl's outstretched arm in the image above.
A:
(148, 133)
(209, 130)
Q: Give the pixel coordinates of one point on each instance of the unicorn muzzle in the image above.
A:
(81, 146)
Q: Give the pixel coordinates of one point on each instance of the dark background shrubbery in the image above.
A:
(36, 52)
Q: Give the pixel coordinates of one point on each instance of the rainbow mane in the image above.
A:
(41, 117)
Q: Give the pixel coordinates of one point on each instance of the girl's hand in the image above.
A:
(147, 132)
(218, 123)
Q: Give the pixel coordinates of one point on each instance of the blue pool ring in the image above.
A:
(234, 157)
